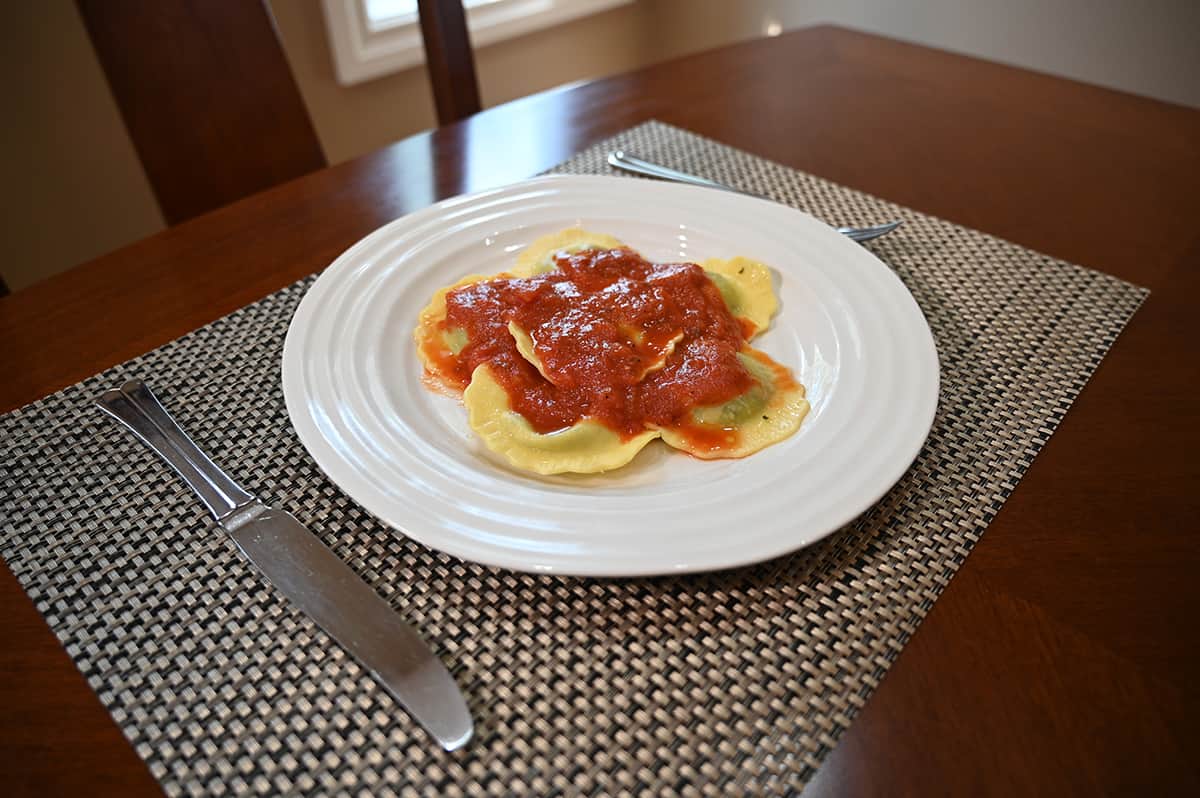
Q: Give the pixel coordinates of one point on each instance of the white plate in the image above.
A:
(847, 326)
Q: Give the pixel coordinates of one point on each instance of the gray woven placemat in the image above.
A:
(714, 684)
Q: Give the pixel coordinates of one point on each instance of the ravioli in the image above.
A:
(538, 257)
(771, 410)
(526, 348)
(584, 352)
(586, 447)
(656, 360)
(745, 285)
(436, 342)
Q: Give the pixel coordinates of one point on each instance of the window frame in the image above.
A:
(362, 51)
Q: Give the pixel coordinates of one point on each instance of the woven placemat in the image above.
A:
(727, 683)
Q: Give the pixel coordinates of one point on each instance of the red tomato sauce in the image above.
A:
(622, 340)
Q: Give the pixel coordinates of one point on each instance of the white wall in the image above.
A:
(1150, 47)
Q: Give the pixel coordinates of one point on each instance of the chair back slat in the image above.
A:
(207, 96)
(450, 59)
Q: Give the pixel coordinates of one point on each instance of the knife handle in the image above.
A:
(136, 406)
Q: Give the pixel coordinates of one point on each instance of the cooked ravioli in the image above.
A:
(538, 257)
(768, 412)
(433, 340)
(660, 355)
(745, 285)
(587, 447)
(525, 347)
(597, 323)
(656, 361)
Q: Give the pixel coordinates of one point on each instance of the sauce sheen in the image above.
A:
(622, 340)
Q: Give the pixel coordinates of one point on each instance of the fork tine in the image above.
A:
(861, 234)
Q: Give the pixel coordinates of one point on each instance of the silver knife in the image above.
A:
(305, 571)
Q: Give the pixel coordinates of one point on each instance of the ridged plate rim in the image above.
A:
(352, 388)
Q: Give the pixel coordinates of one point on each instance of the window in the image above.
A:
(383, 14)
(372, 38)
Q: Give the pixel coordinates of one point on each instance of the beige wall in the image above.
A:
(1150, 47)
(352, 120)
(73, 185)
(75, 189)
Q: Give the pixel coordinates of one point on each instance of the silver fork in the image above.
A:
(631, 163)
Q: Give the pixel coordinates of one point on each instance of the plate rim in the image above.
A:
(318, 448)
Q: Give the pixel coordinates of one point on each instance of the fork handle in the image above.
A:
(136, 406)
(631, 163)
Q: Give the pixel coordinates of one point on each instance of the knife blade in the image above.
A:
(307, 573)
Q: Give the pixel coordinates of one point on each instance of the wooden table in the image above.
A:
(1062, 657)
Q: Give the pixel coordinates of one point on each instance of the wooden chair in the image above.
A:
(210, 102)
(450, 59)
